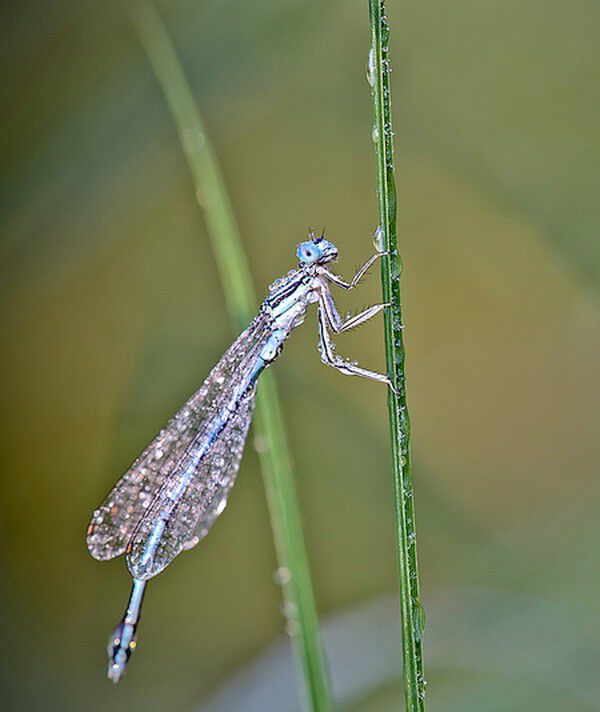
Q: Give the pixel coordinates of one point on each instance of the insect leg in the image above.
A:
(336, 279)
(335, 320)
(328, 356)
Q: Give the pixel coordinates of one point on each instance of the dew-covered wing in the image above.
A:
(186, 514)
(114, 522)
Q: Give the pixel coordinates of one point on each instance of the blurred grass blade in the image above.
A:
(412, 614)
(300, 608)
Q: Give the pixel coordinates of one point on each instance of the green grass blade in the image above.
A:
(412, 614)
(300, 608)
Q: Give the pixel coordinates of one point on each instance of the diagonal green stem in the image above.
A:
(412, 614)
(294, 573)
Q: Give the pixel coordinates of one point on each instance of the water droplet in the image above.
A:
(260, 444)
(291, 628)
(193, 140)
(204, 196)
(375, 134)
(191, 543)
(422, 684)
(289, 610)
(282, 576)
(420, 621)
(371, 67)
(221, 506)
(379, 239)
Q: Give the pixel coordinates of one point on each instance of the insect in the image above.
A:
(171, 495)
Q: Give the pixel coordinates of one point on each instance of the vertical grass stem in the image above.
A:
(412, 614)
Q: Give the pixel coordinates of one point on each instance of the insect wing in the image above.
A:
(188, 519)
(115, 521)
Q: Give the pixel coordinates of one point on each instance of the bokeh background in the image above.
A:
(112, 314)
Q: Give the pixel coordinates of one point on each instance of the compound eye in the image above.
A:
(308, 252)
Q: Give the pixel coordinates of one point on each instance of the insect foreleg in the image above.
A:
(336, 279)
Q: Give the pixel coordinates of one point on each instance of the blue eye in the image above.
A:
(308, 252)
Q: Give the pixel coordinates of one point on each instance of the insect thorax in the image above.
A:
(289, 297)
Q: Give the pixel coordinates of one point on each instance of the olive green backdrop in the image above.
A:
(112, 314)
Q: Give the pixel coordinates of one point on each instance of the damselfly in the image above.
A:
(171, 495)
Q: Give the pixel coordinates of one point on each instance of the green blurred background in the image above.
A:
(112, 314)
